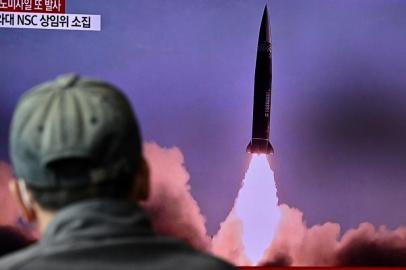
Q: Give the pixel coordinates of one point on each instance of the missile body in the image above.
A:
(259, 143)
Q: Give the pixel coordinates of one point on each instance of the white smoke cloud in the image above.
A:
(302, 246)
(9, 210)
(321, 245)
(175, 212)
(228, 243)
(295, 244)
(171, 206)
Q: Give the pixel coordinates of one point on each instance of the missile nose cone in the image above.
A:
(265, 13)
(264, 30)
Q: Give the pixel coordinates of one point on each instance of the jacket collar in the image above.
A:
(96, 220)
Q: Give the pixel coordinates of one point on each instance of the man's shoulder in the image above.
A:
(190, 258)
(156, 252)
(17, 260)
(205, 261)
(170, 253)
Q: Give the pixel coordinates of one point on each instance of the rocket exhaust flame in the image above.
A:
(257, 208)
(259, 187)
(257, 200)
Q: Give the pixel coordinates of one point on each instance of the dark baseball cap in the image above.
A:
(74, 131)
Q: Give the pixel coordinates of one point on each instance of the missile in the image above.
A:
(259, 143)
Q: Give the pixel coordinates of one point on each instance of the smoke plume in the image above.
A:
(228, 243)
(171, 206)
(297, 245)
(174, 212)
(13, 234)
(9, 210)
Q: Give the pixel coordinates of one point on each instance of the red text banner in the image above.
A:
(36, 6)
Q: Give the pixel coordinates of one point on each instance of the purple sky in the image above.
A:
(338, 104)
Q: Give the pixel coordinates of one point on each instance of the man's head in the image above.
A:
(74, 139)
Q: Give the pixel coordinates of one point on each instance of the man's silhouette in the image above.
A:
(77, 154)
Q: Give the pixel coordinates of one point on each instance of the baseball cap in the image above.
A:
(73, 131)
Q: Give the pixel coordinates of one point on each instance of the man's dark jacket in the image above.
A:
(106, 234)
